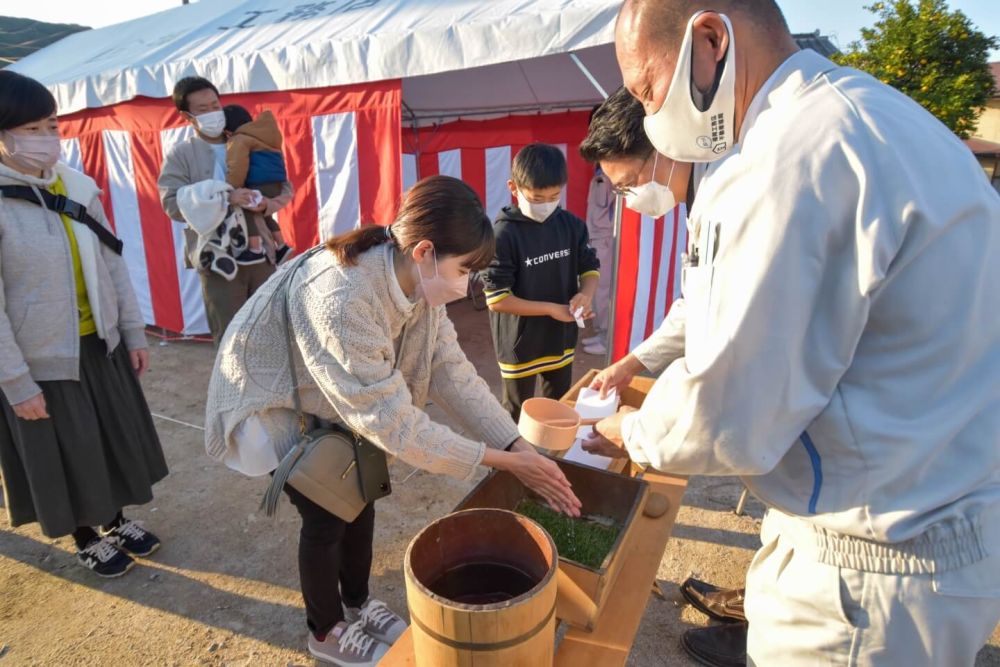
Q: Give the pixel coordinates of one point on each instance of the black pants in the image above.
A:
(335, 561)
(554, 385)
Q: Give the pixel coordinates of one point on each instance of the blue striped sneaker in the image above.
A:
(131, 537)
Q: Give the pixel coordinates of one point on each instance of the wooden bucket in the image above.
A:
(481, 589)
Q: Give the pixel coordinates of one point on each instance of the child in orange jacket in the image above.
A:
(254, 161)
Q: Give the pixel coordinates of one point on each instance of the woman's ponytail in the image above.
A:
(347, 247)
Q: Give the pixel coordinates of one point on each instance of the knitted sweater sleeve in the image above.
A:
(349, 355)
(457, 387)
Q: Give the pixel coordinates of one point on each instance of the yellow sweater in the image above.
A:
(87, 324)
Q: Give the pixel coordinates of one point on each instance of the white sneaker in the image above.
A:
(592, 340)
(597, 348)
(348, 646)
(379, 621)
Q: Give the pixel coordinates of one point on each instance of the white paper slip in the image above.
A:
(577, 455)
(577, 316)
(590, 405)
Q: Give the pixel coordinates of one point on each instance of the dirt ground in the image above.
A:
(223, 590)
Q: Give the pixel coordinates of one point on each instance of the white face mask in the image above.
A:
(536, 212)
(32, 152)
(211, 124)
(438, 290)
(653, 199)
(680, 130)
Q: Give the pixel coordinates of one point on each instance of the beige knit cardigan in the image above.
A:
(347, 324)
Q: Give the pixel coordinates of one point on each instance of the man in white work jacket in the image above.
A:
(842, 337)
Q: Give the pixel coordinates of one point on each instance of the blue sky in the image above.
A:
(841, 19)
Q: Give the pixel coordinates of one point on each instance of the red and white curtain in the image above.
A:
(480, 153)
(342, 148)
(649, 275)
(348, 161)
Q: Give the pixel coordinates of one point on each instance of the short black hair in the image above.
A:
(616, 130)
(188, 85)
(236, 117)
(23, 100)
(539, 166)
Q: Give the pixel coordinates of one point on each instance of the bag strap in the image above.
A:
(65, 206)
(290, 335)
(290, 338)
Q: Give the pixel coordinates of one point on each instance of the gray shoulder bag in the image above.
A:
(335, 468)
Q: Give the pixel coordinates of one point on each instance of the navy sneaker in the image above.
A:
(104, 558)
(133, 538)
(249, 257)
(281, 254)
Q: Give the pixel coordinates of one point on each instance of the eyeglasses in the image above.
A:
(625, 191)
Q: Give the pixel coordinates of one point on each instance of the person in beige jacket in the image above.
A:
(372, 343)
(199, 158)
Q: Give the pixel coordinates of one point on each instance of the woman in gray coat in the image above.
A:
(77, 441)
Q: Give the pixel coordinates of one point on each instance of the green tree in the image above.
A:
(934, 55)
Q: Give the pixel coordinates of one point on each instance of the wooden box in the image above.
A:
(582, 590)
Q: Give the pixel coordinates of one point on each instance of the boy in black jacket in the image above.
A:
(544, 272)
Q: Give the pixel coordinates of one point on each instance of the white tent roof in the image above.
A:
(455, 56)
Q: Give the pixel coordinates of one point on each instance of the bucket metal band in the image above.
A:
(480, 647)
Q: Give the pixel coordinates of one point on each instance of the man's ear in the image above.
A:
(512, 187)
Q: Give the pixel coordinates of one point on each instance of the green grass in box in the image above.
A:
(583, 540)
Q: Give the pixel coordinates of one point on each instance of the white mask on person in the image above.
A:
(211, 124)
(32, 152)
(653, 199)
(438, 290)
(680, 129)
(536, 212)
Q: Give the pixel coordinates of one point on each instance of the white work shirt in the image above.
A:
(842, 324)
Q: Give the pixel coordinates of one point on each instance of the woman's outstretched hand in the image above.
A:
(538, 473)
(544, 477)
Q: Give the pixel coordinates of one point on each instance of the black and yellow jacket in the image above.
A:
(538, 262)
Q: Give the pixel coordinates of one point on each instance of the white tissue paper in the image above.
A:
(589, 405)
(578, 316)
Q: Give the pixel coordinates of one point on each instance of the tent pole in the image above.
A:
(613, 307)
(590, 77)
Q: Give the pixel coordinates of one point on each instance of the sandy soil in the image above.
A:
(223, 590)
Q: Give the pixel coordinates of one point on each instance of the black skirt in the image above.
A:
(97, 452)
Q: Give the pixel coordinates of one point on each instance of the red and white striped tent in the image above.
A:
(370, 95)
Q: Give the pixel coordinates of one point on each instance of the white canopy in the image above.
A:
(454, 56)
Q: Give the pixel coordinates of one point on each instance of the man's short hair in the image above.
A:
(667, 19)
(616, 130)
(236, 117)
(188, 85)
(539, 166)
